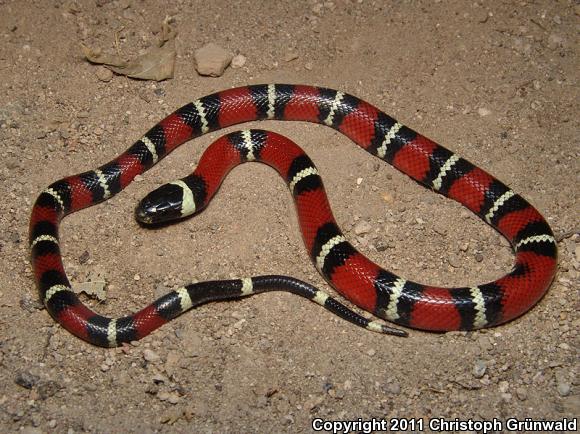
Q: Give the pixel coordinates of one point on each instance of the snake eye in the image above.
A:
(161, 205)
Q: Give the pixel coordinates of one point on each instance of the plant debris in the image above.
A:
(94, 289)
(158, 63)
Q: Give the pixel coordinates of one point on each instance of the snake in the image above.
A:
(389, 297)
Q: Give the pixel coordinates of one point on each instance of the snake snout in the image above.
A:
(161, 205)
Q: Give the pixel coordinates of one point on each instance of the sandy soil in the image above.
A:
(494, 81)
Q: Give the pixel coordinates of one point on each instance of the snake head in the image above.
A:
(161, 205)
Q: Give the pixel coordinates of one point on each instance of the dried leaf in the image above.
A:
(95, 289)
(158, 63)
(97, 56)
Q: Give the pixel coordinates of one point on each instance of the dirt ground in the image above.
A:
(495, 81)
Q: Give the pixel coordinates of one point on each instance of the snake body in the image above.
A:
(354, 276)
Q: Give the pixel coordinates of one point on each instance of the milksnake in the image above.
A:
(357, 278)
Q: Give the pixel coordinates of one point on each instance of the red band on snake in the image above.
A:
(354, 276)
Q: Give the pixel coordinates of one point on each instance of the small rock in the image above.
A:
(150, 355)
(290, 57)
(393, 388)
(14, 237)
(26, 380)
(173, 398)
(312, 402)
(30, 305)
(454, 261)
(46, 389)
(381, 246)
(212, 60)
(84, 257)
(482, 111)
(521, 393)
(478, 257)
(371, 352)
(238, 61)
(359, 181)
(504, 386)
(479, 368)
(163, 396)
(564, 388)
(104, 74)
(160, 378)
(387, 197)
(362, 227)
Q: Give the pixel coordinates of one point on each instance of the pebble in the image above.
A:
(381, 246)
(482, 111)
(521, 393)
(362, 227)
(290, 57)
(479, 368)
(170, 397)
(312, 402)
(238, 61)
(104, 74)
(564, 388)
(151, 356)
(393, 388)
(454, 261)
(371, 352)
(26, 380)
(14, 237)
(504, 386)
(46, 389)
(84, 257)
(212, 60)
